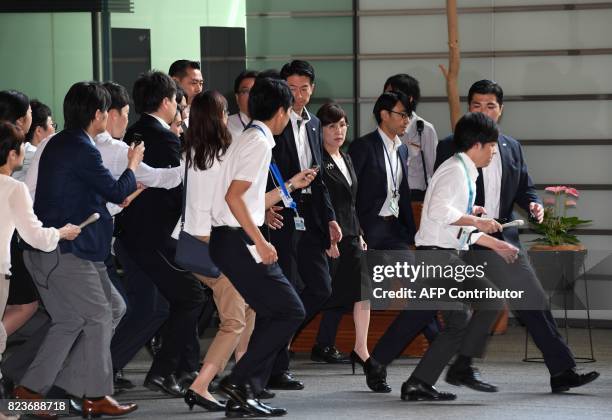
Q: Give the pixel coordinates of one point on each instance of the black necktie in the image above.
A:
(480, 192)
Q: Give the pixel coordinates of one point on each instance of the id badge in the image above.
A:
(464, 234)
(299, 223)
(394, 206)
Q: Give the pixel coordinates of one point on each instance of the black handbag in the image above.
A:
(192, 254)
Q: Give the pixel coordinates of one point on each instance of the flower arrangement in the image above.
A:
(556, 227)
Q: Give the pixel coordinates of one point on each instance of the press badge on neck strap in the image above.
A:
(286, 197)
(464, 234)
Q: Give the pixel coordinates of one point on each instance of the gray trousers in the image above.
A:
(84, 309)
(4, 290)
(465, 332)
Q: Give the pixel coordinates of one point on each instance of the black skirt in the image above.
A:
(22, 289)
(348, 274)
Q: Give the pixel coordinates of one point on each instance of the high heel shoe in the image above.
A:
(356, 359)
(192, 398)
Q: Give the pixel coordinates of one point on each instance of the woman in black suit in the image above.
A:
(346, 262)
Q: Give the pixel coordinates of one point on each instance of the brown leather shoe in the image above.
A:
(23, 393)
(107, 406)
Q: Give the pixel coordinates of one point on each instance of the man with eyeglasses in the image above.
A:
(236, 123)
(187, 75)
(383, 202)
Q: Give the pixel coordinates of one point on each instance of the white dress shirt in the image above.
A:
(341, 164)
(201, 187)
(236, 123)
(446, 201)
(428, 143)
(30, 150)
(247, 159)
(115, 159)
(391, 155)
(16, 212)
(301, 138)
(491, 177)
(32, 175)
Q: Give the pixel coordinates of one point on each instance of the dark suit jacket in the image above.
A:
(285, 155)
(368, 158)
(72, 185)
(516, 185)
(343, 196)
(151, 217)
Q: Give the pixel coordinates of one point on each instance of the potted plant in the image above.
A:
(557, 225)
(557, 254)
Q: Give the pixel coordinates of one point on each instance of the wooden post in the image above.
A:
(454, 58)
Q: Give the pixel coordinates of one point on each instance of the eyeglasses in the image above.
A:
(404, 115)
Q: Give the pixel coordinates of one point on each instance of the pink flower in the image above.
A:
(556, 190)
(570, 203)
(549, 201)
(572, 191)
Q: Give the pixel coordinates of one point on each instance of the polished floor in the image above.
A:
(332, 392)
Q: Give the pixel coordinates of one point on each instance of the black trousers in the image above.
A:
(185, 296)
(301, 256)
(265, 289)
(147, 310)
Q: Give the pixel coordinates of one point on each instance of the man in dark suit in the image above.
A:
(72, 280)
(301, 248)
(504, 183)
(380, 160)
(384, 205)
(144, 230)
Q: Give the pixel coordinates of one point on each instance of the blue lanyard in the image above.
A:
(469, 183)
(393, 173)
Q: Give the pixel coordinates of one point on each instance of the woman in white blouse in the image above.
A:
(206, 141)
(16, 212)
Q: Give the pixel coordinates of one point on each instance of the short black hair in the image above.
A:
(150, 89)
(245, 74)
(331, 113)
(179, 68)
(485, 87)
(406, 84)
(119, 95)
(472, 128)
(13, 105)
(11, 138)
(81, 103)
(40, 115)
(299, 67)
(267, 96)
(388, 100)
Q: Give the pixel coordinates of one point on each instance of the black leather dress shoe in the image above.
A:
(284, 381)
(328, 354)
(274, 411)
(241, 402)
(376, 376)
(469, 377)
(120, 383)
(571, 379)
(166, 384)
(416, 390)
(265, 394)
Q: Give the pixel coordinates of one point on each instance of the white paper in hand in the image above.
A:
(253, 250)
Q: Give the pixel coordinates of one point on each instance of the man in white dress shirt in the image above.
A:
(448, 223)
(236, 123)
(420, 137)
